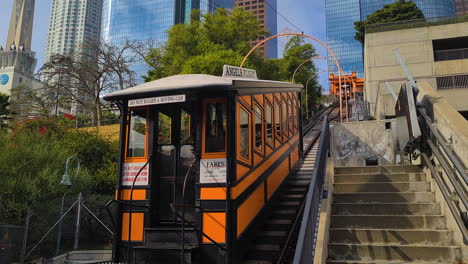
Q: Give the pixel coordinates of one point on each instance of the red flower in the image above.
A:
(71, 117)
(43, 130)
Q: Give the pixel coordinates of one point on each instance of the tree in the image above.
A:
(204, 45)
(399, 11)
(5, 112)
(95, 68)
(220, 38)
(28, 102)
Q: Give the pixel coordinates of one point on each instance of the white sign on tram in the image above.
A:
(130, 171)
(238, 72)
(157, 100)
(213, 171)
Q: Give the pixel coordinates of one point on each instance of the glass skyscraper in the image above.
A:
(340, 18)
(141, 20)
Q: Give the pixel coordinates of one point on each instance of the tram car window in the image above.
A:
(201, 161)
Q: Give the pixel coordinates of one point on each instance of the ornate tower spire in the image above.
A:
(21, 25)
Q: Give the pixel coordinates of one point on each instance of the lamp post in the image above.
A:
(58, 83)
(67, 182)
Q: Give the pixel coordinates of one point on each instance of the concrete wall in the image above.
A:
(415, 46)
(449, 122)
(354, 142)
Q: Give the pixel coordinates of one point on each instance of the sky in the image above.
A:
(307, 15)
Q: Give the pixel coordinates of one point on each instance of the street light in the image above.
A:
(66, 180)
(58, 83)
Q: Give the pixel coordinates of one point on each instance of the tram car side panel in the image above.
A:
(268, 136)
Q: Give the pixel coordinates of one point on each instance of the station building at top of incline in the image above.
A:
(434, 52)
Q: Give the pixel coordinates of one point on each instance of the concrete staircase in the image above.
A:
(387, 214)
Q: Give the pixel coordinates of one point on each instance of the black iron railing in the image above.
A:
(448, 171)
(304, 252)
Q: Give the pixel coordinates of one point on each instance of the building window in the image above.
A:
(450, 49)
(452, 82)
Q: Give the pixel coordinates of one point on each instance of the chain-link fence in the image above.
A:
(11, 243)
(85, 224)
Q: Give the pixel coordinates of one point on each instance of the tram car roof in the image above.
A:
(193, 82)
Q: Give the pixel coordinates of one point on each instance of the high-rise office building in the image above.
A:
(266, 14)
(462, 6)
(340, 18)
(140, 20)
(17, 61)
(72, 23)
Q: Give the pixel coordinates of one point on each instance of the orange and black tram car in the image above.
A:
(201, 160)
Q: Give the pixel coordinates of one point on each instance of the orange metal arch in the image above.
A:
(313, 58)
(312, 38)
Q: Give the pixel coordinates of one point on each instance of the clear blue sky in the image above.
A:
(307, 15)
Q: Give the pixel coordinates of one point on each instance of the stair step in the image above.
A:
(378, 169)
(392, 197)
(296, 190)
(299, 183)
(397, 177)
(289, 203)
(381, 187)
(397, 236)
(262, 256)
(292, 197)
(303, 177)
(371, 252)
(374, 262)
(283, 214)
(386, 209)
(389, 221)
(279, 240)
(268, 247)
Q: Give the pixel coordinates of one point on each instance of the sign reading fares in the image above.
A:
(213, 170)
(239, 73)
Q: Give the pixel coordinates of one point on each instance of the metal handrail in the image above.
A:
(433, 140)
(452, 156)
(304, 249)
(297, 221)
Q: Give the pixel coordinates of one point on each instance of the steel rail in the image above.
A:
(317, 121)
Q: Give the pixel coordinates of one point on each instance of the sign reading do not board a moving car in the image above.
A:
(130, 171)
(213, 171)
(170, 99)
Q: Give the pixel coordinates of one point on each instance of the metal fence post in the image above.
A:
(77, 225)
(25, 237)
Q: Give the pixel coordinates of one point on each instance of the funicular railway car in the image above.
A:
(201, 159)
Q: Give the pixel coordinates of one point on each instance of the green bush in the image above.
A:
(32, 162)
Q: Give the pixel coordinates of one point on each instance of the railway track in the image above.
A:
(277, 237)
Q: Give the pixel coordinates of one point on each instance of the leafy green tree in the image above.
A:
(399, 11)
(32, 161)
(220, 38)
(205, 45)
(5, 112)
